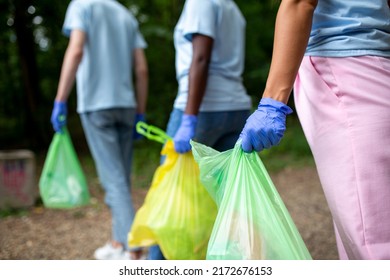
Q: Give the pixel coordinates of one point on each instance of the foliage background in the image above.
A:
(32, 48)
(31, 52)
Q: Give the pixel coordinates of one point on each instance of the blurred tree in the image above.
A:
(157, 20)
(8, 87)
(260, 17)
(22, 10)
(32, 48)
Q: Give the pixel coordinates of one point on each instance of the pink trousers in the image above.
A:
(344, 107)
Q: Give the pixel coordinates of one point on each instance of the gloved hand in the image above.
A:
(266, 126)
(185, 132)
(59, 115)
(138, 118)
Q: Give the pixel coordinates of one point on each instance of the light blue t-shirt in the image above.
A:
(222, 21)
(350, 28)
(104, 76)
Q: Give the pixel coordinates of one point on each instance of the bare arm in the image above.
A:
(72, 59)
(141, 79)
(202, 47)
(292, 31)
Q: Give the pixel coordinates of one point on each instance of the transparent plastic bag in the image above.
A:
(178, 213)
(62, 183)
(252, 222)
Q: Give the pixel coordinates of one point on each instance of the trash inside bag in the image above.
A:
(62, 183)
(252, 222)
(178, 213)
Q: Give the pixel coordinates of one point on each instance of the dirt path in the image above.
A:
(44, 234)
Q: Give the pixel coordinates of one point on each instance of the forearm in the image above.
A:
(67, 78)
(72, 59)
(292, 31)
(202, 47)
(142, 94)
(141, 80)
(197, 86)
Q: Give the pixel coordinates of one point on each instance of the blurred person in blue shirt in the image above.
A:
(105, 49)
(212, 103)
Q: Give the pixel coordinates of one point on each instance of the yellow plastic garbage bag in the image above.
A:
(252, 222)
(178, 213)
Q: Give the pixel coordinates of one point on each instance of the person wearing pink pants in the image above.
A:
(344, 107)
(336, 55)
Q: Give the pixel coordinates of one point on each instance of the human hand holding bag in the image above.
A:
(266, 126)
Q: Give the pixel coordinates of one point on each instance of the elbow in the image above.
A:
(76, 55)
(142, 72)
(142, 77)
(140, 65)
(201, 61)
(300, 8)
(312, 4)
(307, 4)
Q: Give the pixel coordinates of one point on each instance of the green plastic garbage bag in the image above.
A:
(252, 221)
(62, 183)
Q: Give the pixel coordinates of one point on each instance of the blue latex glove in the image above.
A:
(266, 126)
(184, 134)
(59, 115)
(138, 118)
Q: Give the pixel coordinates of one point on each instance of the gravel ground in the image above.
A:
(46, 234)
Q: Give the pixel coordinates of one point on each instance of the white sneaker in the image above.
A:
(108, 252)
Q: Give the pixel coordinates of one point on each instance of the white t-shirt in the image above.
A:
(222, 21)
(104, 76)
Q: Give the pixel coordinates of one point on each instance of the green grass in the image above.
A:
(146, 159)
(13, 212)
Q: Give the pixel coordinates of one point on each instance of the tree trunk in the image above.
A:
(29, 71)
